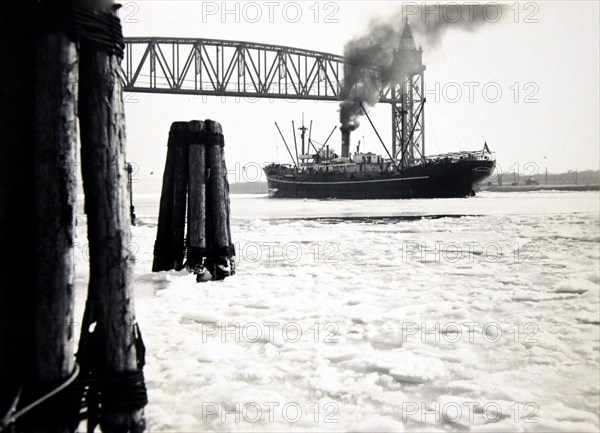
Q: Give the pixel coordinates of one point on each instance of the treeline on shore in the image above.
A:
(586, 177)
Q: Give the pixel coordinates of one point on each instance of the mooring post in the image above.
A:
(217, 235)
(181, 168)
(55, 156)
(196, 232)
(163, 255)
(231, 252)
(130, 187)
(17, 198)
(110, 305)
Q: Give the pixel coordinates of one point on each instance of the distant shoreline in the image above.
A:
(529, 188)
(261, 188)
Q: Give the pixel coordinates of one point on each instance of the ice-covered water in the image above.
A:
(418, 315)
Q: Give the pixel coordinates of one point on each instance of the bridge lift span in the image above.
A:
(246, 69)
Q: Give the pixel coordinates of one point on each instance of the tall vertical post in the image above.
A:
(110, 302)
(217, 228)
(17, 198)
(163, 248)
(130, 187)
(180, 186)
(296, 144)
(56, 139)
(196, 234)
(231, 252)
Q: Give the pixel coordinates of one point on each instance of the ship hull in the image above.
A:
(449, 180)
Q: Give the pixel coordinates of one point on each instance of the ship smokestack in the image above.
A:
(345, 142)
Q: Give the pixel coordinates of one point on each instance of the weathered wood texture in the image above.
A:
(17, 192)
(231, 258)
(196, 237)
(217, 233)
(130, 182)
(180, 187)
(55, 158)
(163, 256)
(110, 294)
(195, 169)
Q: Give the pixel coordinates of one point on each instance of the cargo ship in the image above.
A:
(323, 174)
(317, 171)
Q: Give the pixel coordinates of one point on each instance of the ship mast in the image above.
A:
(303, 130)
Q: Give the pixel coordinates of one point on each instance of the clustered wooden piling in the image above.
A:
(69, 69)
(195, 169)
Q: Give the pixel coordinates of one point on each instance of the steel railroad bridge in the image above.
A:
(189, 66)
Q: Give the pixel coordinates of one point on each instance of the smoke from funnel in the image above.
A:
(376, 49)
(430, 22)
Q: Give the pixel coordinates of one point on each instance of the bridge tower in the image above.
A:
(408, 87)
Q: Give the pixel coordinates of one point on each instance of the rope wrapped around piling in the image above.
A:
(206, 138)
(86, 394)
(52, 404)
(105, 393)
(195, 254)
(100, 28)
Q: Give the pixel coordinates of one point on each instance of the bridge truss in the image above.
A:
(246, 69)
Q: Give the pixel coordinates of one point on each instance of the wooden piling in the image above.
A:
(163, 253)
(17, 202)
(130, 190)
(180, 175)
(110, 292)
(217, 233)
(227, 203)
(196, 222)
(56, 140)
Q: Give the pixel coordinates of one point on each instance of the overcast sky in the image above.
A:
(549, 49)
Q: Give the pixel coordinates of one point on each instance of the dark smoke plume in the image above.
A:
(429, 23)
